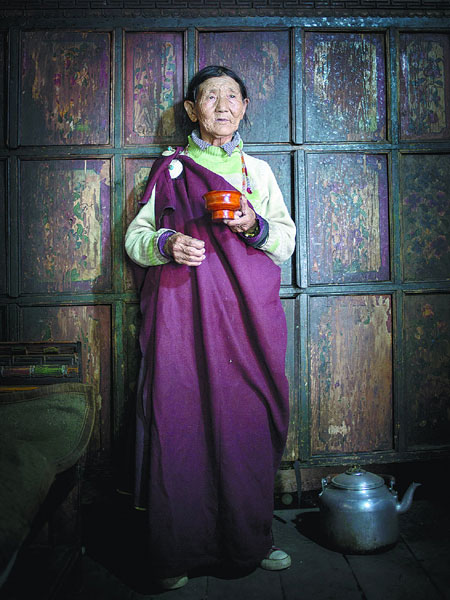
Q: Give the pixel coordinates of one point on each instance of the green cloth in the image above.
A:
(42, 432)
(217, 160)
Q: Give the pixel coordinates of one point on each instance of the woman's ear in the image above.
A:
(189, 107)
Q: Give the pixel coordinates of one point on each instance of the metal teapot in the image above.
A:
(359, 512)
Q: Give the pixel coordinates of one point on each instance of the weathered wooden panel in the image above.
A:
(65, 225)
(153, 86)
(125, 409)
(3, 331)
(348, 218)
(427, 368)
(136, 175)
(425, 201)
(3, 70)
(65, 85)
(281, 165)
(292, 451)
(345, 87)
(133, 351)
(90, 325)
(350, 373)
(261, 59)
(424, 86)
(3, 230)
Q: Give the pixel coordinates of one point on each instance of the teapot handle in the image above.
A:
(325, 481)
(389, 479)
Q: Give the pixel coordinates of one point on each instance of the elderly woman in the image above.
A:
(212, 413)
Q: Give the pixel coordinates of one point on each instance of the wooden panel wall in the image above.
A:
(352, 112)
(70, 199)
(355, 124)
(65, 88)
(3, 229)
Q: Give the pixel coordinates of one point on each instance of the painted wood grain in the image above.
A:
(281, 165)
(65, 88)
(65, 225)
(153, 86)
(3, 324)
(425, 202)
(261, 59)
(348, 227)
(125, 406)
(424, 86)
(427, 369)
(3, 69)
(4, 253)
(133, 351)
(345, 87)
(350, 346)
(91, 325)
(137, 171)
(292, 447)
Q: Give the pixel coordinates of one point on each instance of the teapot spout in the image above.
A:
(405, 504)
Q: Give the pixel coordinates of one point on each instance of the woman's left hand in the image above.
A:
(244, 219)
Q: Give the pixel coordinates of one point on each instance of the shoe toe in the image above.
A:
(173, 583)
(276, 560)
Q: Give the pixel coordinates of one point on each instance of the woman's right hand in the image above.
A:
(185, 250)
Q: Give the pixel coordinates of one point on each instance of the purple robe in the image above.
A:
(213, 407)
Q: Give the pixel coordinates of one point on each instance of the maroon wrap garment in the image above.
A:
(213, 406)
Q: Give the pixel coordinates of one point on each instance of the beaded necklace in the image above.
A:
(246, 187)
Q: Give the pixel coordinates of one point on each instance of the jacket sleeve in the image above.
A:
(141, 238)
(280, 241)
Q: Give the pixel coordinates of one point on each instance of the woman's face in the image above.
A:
(219, 109)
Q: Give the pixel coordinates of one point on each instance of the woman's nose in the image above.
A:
(221, 103)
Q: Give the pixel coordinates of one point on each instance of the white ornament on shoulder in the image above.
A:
(175, 168)
(169, 151)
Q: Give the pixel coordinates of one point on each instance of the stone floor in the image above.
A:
(417, 568)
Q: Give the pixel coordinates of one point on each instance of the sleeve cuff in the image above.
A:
(259, 239)
(162, 239)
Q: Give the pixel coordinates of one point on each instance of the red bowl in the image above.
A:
(222, 203)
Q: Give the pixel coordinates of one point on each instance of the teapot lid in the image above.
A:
(356, 478)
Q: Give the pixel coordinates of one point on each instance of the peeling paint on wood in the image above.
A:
(291, 451)
(348, 218)
(350, 374)
(425, 86)
(2, 88)
(65, 84)
(133, 352)
(345, 85)
(261, 58)
(425, 201)
(91, 325)
(427, 369)
(3, 229)
(137, 171)
(153, 86)
(65, 225)
(3, 336)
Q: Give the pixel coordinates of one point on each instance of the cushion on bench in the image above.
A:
(42, 432)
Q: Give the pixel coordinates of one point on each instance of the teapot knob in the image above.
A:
(390, 481)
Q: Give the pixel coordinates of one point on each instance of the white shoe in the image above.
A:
(276, 560)
(173, 583)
